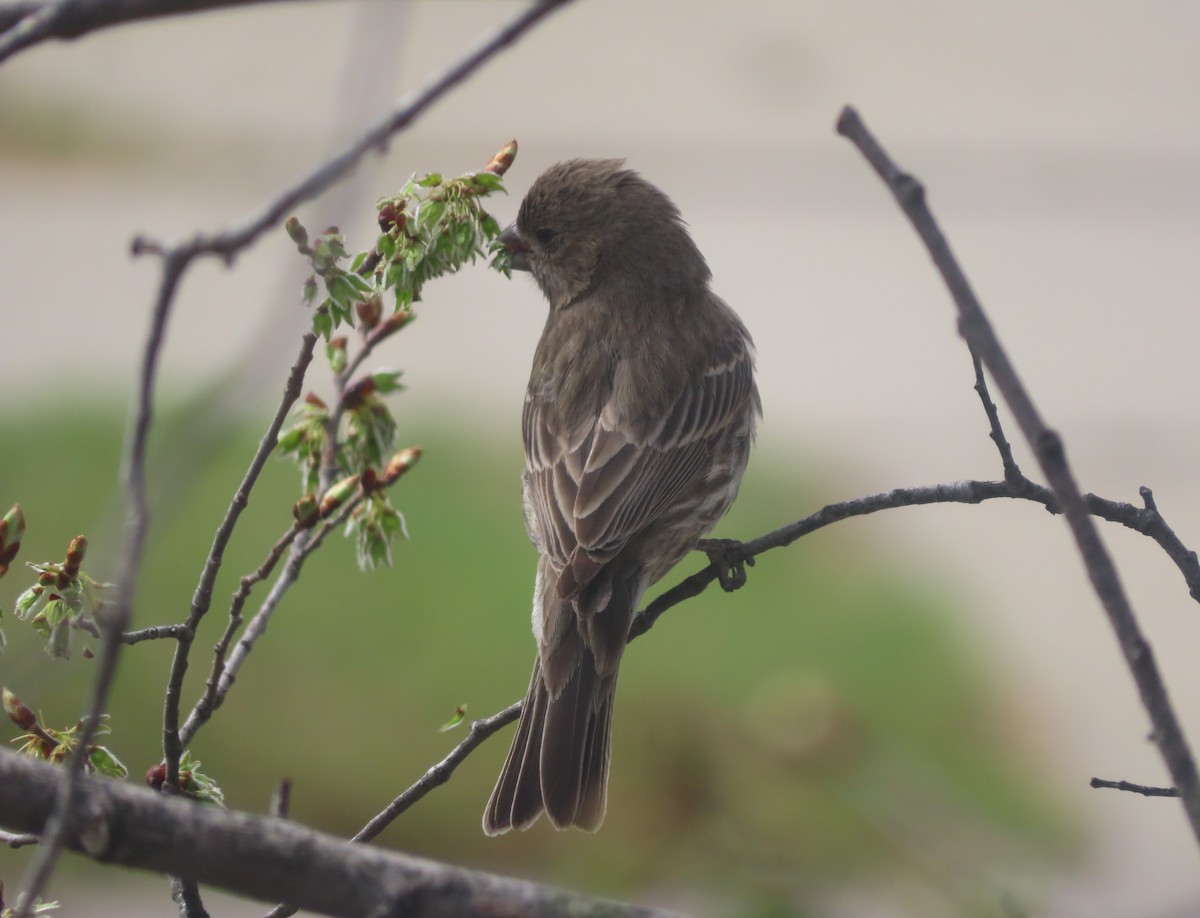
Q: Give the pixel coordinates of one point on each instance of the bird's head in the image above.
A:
(590, 222)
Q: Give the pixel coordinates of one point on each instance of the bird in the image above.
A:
(637, 424)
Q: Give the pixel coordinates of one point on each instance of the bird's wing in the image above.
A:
(593, 488)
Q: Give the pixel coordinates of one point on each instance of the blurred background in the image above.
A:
(898, 716)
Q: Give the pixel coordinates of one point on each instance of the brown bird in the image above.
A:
(638, 421)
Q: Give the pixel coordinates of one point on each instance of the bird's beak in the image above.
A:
(518, 252)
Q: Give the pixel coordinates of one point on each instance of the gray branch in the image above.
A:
(27, 23)
(269, 859)
(1048, 447)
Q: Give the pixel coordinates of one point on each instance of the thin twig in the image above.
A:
(1051, 455)
(28, 24)
(202, 597)
(17, 839)
(149, 633)
(231, 241)
(436, 776)
(186, 894)
(1143, 789)
(120, 612)
(1012, 471)
(961, 492)
(208, 703)
(203, 709)
(440, 773)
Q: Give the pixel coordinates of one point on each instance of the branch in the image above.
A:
(118, 615)
(228, 243)
(1012, 472)
(436, 776)
(213, 698)
(202, 597)
(1048, 447)
(1142, 789)
(29, 23)
(1147, 521)
(269, 859)
(15, 840)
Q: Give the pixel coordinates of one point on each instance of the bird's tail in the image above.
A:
(559, 757)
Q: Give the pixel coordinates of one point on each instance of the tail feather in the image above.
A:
(516, 802)
(559, 757)
(575, 750)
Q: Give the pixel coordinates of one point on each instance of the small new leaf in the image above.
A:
(460, 714)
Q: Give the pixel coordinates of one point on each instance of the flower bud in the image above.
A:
(369, 311)
(18, 712)
(503, 159)
(297, 232)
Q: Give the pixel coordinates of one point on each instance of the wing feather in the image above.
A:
(595, 487)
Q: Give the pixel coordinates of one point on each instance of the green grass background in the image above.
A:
(827, 726)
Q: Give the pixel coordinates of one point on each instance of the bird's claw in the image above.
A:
(729, 558)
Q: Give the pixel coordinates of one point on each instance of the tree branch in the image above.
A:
(202, 597)
(117, 615)
(213, 698)
(436, 776)
(269, 859)
(1048, 447)
(28, 23)
(1142, 789)
(228, 243)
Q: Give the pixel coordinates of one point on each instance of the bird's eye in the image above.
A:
(544, 235)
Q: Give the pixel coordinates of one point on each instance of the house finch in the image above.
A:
(638, 421)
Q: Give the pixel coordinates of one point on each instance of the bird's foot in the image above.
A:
(729, 558)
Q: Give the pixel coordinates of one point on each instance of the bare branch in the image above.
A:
(1146, 522)
(1012, 472)
(17, 840)
(149, 633)
(202, 597)
(228, 243)
(269, 859)
(211, 700)
(118, 614)
(1048, 447)
(436, 776)
(1142, 789)
(440, 773)
(25, 24)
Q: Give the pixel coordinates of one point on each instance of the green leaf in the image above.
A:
(430, 180)
(105, 763)
(310, 291)
(429, 213)
(341, 290)
(290, 439)
(460, 714)
(387, 381)
(322, 322)
(385, 245)
(28, 601)
(361, 284)
(489, 181)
